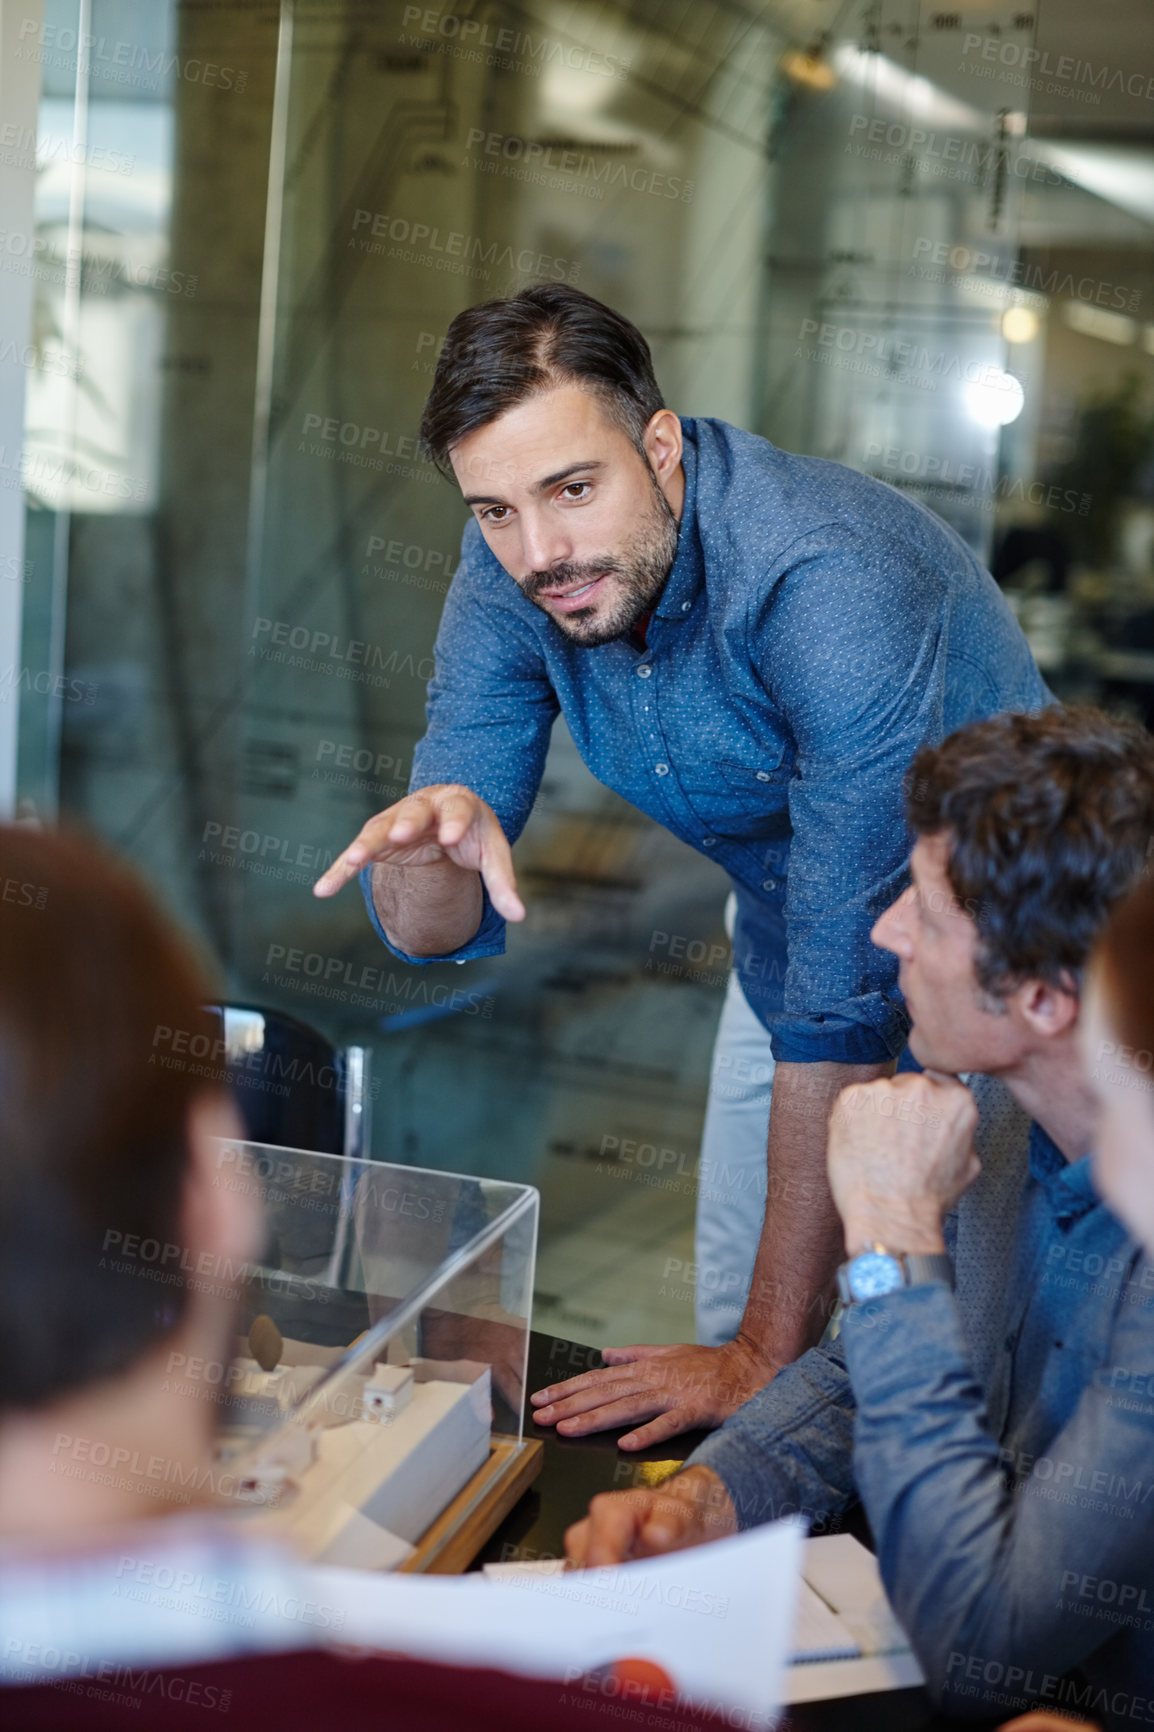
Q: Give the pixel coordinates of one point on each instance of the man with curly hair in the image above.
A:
(1000, 1436)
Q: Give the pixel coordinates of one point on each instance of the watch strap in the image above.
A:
(922, 1266)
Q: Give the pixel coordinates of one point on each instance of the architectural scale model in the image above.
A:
(360, 1476)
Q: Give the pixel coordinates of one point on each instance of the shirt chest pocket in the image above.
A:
(746, 797)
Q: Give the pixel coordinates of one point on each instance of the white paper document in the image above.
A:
(717, 1618)
(841, 1612)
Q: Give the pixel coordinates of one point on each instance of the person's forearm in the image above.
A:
(428, 910)
(791, 1294)
(788, 1450)
(964, 1560)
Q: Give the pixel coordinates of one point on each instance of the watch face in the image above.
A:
(872, 1273)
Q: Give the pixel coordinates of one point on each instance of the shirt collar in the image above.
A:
(1067, 1184)
(688, 574)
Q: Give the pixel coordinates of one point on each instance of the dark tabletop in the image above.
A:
(575, 1469)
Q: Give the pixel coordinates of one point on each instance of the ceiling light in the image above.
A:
(1097, 322)
(995, 399)
(809, 69)
(1019, 325)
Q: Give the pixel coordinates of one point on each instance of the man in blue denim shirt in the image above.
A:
(750, 647)
(1001, 1440)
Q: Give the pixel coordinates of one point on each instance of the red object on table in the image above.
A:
(643, 1681)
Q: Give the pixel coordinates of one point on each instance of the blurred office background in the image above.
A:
(232, 237)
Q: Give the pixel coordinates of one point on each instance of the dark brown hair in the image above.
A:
(93, 1144)
(1125, 956)
(497, 354)
(1049, 819)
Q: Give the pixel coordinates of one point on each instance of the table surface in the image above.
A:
(575, 1469)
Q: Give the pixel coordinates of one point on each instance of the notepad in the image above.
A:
(818, 1632)
(846, 1577)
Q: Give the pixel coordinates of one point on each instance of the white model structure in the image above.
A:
(387, 1391)
(372, 1462)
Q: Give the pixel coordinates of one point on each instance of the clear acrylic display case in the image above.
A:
(373, 1410)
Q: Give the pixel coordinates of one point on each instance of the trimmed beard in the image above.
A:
(642, 571)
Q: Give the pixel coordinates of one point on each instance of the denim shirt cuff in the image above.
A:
(868, 1030)
(894, 1343)
(488, 940)
(740, 1464)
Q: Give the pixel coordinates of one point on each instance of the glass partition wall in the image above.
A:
(914, 241)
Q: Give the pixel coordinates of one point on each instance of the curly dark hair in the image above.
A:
(1050, 819)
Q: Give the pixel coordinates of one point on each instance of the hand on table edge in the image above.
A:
(673, 1389)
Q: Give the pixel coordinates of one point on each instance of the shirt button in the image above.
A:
(709, 842)
(662, 769)
(763, 775)
(644, 671)
(685, 606)
(768, 884)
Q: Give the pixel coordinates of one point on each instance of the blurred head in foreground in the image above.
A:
(1118, 1047)
(107, 1193)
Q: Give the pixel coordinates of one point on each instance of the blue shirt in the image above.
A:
(1014, 1521)
(816, 629)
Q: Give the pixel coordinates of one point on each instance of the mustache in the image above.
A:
(568, 573)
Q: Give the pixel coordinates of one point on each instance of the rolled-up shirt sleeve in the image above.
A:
(789, 1449)
(856, 715)
(985, 1579)
(491, 708)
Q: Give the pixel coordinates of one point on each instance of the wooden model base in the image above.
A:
(394, 1470)
(448, 1547)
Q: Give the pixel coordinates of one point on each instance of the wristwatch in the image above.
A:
(875, 1271)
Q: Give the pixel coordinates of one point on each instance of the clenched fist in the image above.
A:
(901, 1152)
